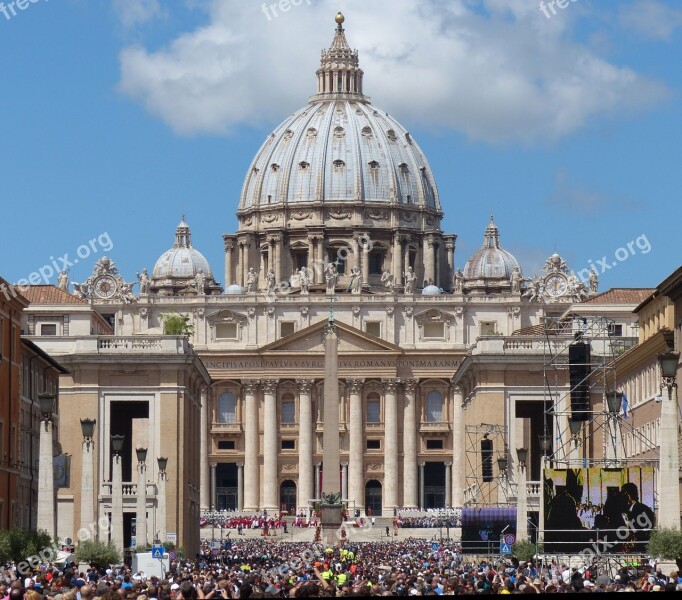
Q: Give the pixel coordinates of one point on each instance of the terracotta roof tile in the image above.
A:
(49, 294)
(622, 296)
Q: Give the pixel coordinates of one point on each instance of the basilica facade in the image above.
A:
(339, 213)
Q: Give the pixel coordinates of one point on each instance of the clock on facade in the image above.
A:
(105, 286)
(556, 285)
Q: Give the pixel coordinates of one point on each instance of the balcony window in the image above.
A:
(48, 329)
(288, 412)
(434, 407)
(226, 331)
(373, 409)
(227, 408)
(434, 331)
(373, 328)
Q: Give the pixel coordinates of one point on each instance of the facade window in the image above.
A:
(227, 408)
(433, 331)
(226, 445)
(226, 331)
(373, 409)
(487, 327)
(286, 328)
(48, 329)
(434, 444)
(373, 328)
(434, 407)
(288, 444)
(288, 409)
(376, 263)
(373, 444)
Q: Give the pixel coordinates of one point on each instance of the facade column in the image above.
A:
(450, 251)
(88, 487)
(262, 270)
(458, 441)
(436, 258)
(229, 248)
(365, 262)
(318, 252)
(668, 482)
(391, 475)
(278, 260)
(240, 264)
(117, 502)
(428, 259)
(213, 484)
(316, 483)
(410, 485)
(521, 503)
(311, 255)
(397, 260)
(270, 472)
(46, 509)
(251, 447)
(356, 450)
(141, 538)
(356, 253)
(161, 507)
(305, 443)
(240, 486)
(344, 480)
(448, 484)
(406, 260)
(421, 485)
(205, 489)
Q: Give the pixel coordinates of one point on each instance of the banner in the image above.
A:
(61, 469)
(605, 511)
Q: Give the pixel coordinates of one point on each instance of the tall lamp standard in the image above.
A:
(141, 517)
(88, 476)
(46, 509)
(521, 496)
(117, 492)
(161, 498)
(669, 468)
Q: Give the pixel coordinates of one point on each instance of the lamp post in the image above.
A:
(141, 516)
(117, 492)
(521, 496)
(161, 498)
(46, 509)
(669, 468)
(88, 476)
(614, 400)
(546, 450)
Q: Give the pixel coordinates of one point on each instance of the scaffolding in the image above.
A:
(477, 491)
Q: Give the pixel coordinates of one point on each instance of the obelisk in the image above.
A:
(331, 505)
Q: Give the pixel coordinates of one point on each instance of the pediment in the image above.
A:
(434, 315)
(351, 340)
(226, 316)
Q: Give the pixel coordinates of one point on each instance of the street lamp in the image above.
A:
(502, 464)
(162, 461)
(545, 444)
(141, 516)
(117, 491)
(522, 455)
(88, 475)
(521, 496)
(669, 466)
(614, 400)
(46, 508)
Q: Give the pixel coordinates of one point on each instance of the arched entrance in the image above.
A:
(287, 496)
(373, 498)
(434, 485)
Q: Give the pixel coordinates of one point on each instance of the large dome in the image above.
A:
(491, 266)
(340, 148)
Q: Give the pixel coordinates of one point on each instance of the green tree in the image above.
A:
(98, 554)
(21, 544)
(525, 550)
(177, 324)
(666, 544)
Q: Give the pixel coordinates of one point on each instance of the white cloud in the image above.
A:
(136, 12)
(502, 72)
(651, 19)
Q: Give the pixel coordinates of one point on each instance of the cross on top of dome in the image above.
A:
(492, 235)
(183, 236)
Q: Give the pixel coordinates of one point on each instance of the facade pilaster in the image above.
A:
(457, 446)
(410, 476)
(251, 447)
(391, 475)
(356, 450)
(270, 471)
(305, 443)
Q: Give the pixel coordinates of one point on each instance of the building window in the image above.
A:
(48, 329)
(434, 331)
(376, 263)
(373, 408)
(373, 444)
(434, 444)
(373, 328)
(617, 330)
(286, 328)
(487, 327)
(226, 331)
(226, 445)
(288, 412)
(227, 408)
(434, 407)
(288, 444)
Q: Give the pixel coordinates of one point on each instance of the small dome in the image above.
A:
(491, 261)
(431, 290)
(234, 290)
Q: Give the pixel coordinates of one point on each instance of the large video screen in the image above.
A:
(482, 529)
(601, 510)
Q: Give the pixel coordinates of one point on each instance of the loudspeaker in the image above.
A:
(487, 459)
(579, 370)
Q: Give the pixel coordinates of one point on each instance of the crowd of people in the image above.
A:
(427, 522)
(263, 568)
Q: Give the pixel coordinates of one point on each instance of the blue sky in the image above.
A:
(120, 115)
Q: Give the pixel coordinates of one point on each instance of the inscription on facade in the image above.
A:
(344, 363)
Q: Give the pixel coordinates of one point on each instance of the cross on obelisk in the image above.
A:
(331, 505)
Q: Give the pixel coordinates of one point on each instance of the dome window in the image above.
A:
(288, 134)
(404, 169)
(339, 132)
(274, 167)
(256, 170)
(303, 165)
(367, 132)
(374, 165)
(408, 137)
(339, 165)
(391, 135)
(312, 133)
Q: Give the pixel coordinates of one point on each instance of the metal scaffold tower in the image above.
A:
(484, 478)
